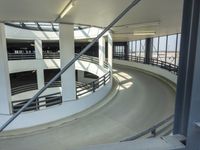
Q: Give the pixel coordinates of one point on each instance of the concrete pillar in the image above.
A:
(40, 82)
(66, 55)
(5, 89)
(126, 51)
(102, 49)
(38, 49)
(39, 56)
(110, 51)
(148, 50)
(193, 134)
(40, 78)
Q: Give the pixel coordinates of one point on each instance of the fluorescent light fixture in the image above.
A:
(140, 25)
(143, 33)
(69, 6)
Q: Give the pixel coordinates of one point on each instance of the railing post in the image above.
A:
(37, 104)
(93, 86)
(104, 81)
(153, 132)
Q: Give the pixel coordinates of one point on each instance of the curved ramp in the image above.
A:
(141, 102)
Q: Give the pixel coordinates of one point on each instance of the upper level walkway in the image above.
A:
(142, 101)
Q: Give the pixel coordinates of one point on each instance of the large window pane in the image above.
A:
(143, 47)
(155, 48)
(162, 48)
(171, 49)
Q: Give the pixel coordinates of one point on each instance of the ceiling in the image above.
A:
(161, 16)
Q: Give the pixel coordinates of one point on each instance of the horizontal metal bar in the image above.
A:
(149, 130)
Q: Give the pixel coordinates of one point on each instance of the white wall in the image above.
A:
(27, 65)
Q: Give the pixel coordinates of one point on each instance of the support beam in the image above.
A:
(5, 89)
(194, 115)
(66, 55)
(192, 86)
(189, 40)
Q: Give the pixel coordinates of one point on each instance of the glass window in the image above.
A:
(162, 48)
(178, 49)
(171, 49)
(155, 48)
(143, 47)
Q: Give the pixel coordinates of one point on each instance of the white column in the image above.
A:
(102, 51)
(5, 90)
(38, 49)
(39, 56)
(66, 55)
(40, 77)
(110, 51)
(40, 82)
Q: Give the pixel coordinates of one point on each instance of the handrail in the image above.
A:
(151, 130)
(21, 56)
(134, 3)
(51, 55)
(89, 58)
(24, 88)
(162, 64)
(92, 86)
(43, 101)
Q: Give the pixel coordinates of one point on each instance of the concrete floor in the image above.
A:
(141, 102)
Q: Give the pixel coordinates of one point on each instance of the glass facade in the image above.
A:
(165, 48)
(137, 48)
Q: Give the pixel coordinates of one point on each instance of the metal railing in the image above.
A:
(159, 63)
(87, 58)
(56, 98)
(83, 89)
(40, 103)
(21, 56)
(55, 84)
(51, 55)
(24, 88)
(165, 65)
(165, 126)
(132, 4)
(92, 59)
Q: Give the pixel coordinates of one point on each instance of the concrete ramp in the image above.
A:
(142, 101)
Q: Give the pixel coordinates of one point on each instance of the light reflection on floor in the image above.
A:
(125, 80)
